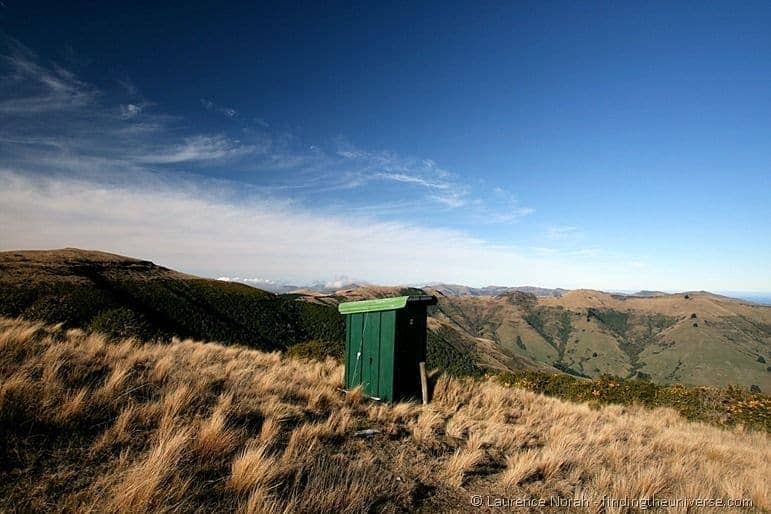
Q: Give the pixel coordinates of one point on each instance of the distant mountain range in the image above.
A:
(461, 290)
(694, 338)
(280, 288)
(447, 289)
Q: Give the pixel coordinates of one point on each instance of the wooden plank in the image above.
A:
(423, 382)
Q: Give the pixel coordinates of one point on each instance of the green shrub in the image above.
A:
(535, 320)
(121, 323)
(720, 406)
(317, 350)
(446, 351)
(616, 321)
(567, 369)
(523, 300)
(565, 327)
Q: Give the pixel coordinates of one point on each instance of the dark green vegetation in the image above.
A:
(126, 298)
(719, 406)
(448, 352)
(615, 321)
(161, 308)
(411, 291)
(317, 350)
(554, 324)
(570, 371)
(523, 300)
(633, 331)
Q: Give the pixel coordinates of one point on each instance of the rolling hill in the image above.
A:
(695, 338)
(122, 296)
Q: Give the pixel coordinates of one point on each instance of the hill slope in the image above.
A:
(87, 424)
(129, 297)
(694, 338)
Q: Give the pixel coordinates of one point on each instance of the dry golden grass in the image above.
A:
(215, 438)
(139, 488)
(253, 467)
(88, 424)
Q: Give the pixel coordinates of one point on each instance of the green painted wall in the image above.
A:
(369, 352)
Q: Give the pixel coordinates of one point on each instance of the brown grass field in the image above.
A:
(98, 426)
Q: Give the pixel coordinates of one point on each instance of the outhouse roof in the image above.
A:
(382, 304)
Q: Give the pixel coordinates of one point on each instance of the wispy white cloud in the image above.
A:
(81, 131)
(30, 87)
(198, 148)
(503, 206)
(225, 111)
(129, 111)
(561, 233)
(128, 86)
(409, 179)
(441, 186)
(252, 281)
(206, 228)
(191, 228)
(586, 252)
(55, 122)
(448, 193)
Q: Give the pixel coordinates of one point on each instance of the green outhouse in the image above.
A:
(385, 341)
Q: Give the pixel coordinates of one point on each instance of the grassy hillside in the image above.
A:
(88, 424)
(695, 338)
(125, 297)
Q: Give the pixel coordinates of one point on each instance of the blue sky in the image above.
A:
(605, 145)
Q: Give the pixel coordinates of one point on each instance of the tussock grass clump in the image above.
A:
(253, 467)
(88, 423)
